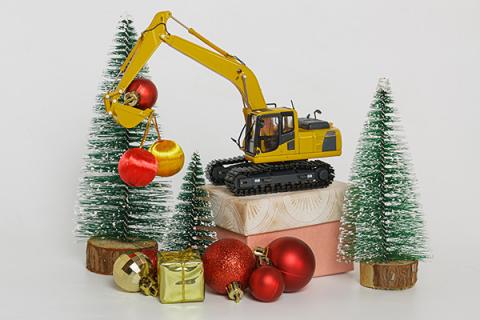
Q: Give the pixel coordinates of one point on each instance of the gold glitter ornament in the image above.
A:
(128, 269)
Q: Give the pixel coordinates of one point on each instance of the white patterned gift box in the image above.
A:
(277, 211)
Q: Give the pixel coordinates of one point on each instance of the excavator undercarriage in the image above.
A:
(244, 178)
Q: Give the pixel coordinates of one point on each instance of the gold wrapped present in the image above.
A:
(180, 276)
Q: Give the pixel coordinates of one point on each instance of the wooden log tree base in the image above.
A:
(102, 253)
(395, 275)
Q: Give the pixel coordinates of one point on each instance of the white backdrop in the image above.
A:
(321, 54)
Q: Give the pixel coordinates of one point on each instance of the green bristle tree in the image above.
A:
(107, 207)
(382, 220)
(193, 222)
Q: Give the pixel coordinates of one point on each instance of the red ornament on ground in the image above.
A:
(142, 93)
(294, 259)
(266, 284)
(152, 254)
(228, 264)
(137, 167)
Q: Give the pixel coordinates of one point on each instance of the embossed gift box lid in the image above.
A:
(277, 211)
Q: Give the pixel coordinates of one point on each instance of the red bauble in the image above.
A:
(227, 261)
(266, 283)
(137, 167)
(294, 259)
(152, 254)
(146, 92)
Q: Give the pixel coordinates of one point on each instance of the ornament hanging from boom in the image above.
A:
(138, 167)
(141, 94)
(169, 155)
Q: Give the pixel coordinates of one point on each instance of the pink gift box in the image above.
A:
(322, 238)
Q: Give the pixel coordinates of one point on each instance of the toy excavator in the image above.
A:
(278, 146)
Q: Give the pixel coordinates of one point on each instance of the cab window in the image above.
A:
(287, 125)
(268, 133)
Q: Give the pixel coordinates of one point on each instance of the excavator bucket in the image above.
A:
(128, 117)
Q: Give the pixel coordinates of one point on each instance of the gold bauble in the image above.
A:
(169, 155)
(128, 269)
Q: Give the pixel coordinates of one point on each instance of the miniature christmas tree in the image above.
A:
(382, 222)
(192, 224)
(107, 207)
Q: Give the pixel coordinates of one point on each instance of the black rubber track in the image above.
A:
(275, 169)
(224, 164)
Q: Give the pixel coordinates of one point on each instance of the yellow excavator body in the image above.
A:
(275, 136)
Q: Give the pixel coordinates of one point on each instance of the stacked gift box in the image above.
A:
(310, 215)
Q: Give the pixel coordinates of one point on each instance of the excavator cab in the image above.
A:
(267, 132)
(278, 135)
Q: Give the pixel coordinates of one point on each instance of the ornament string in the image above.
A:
(156, 128)
(151, 119)
(147, 129)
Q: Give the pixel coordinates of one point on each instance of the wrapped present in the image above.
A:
(321, 238)
(180, 276)
(277, 211)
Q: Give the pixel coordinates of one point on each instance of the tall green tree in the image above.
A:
(107, 207)
(193, 221)
(382, 220)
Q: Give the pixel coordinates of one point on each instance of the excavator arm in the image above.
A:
(217, 60)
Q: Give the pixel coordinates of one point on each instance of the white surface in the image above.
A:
(325, 54)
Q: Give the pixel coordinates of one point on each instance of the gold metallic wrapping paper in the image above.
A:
(180, 276)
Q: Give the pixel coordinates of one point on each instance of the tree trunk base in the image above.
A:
(102, 253)
(395, 275)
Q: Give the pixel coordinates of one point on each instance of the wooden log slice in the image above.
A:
(102, 253)
(396, 275)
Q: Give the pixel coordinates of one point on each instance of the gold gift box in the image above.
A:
(180, 276)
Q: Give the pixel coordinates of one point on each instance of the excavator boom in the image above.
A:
(217, 60)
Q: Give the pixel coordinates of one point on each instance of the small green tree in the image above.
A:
(382, 220)
(107, 207)
(193, 222)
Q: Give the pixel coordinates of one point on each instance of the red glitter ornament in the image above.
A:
(137, 167)
(143, 93)
(228, 264)
(266, 283)
(294, 259)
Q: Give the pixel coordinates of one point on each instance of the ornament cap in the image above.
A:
(234, 291)
(149, 286)
(262, 256)
(131, 98)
